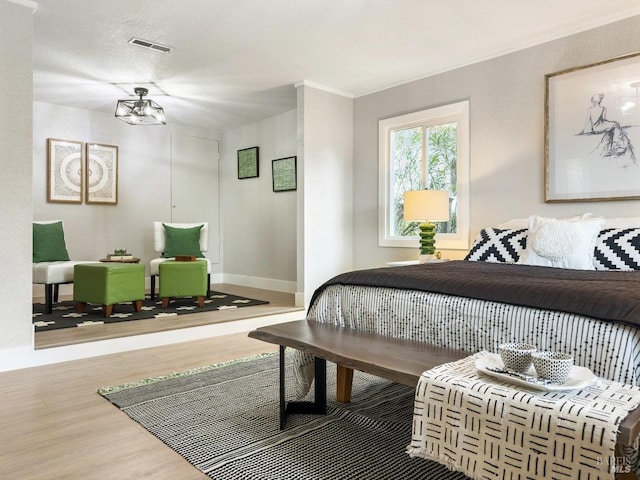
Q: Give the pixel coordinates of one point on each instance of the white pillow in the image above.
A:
(622, 222)
(518, 223)
(561, 243)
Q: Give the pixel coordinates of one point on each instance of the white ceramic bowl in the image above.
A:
(554, 366)
(516, 356)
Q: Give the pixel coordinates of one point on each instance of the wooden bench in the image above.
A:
(401, 361)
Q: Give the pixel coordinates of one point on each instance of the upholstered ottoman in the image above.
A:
(183, 279)
(108, 284)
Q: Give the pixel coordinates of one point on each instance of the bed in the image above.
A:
(570, 285)
(588, 306)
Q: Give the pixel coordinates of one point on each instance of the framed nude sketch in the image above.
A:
(64, 171)
(592, 132)
(101, 174)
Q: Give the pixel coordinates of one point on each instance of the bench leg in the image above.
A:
(319, 404)
(137, 305)
(344, 382)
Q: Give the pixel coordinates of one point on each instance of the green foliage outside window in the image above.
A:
(410, 167)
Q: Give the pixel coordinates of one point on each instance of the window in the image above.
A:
(427, 149)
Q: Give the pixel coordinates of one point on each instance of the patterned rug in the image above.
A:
(223, 419)
(64, 316)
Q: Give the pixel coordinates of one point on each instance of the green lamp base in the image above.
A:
(427, 238)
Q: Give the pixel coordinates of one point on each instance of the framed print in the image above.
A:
(64, 171)
(102, 174)
(248, 161)
(283, 171)
(592, 132)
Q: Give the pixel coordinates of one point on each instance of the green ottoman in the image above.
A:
(107, 284)
(183, 279)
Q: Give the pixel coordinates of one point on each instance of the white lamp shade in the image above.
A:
(426, 205)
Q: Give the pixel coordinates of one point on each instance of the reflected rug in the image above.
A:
(223, 419)
(64, 316)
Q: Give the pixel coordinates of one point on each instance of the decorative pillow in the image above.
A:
(517, 223)
(561, 243)
(182, 241)
(617, 249)
(498, 246)
(48, 242)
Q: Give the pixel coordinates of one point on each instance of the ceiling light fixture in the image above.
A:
(140, 111)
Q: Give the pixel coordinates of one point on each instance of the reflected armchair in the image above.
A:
(171, 239)
(51, 263)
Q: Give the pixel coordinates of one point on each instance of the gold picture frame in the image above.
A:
(592, 132)
(101, 177)
(65, 162)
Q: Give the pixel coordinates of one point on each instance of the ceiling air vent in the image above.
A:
(152, 45)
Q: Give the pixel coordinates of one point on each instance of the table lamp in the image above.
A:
(426, 206)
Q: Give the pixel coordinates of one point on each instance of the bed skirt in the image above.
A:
(610, 350)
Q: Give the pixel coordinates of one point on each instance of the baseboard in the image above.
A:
(26, 357)
(258, 282)
(255, 282)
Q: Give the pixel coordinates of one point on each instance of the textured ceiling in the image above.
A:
(235, 61)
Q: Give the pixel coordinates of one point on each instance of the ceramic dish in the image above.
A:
(579, 377)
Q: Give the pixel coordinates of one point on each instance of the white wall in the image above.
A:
(144, 181)
(16, 97)
(259, 225)
(507, 134)
(325, 192)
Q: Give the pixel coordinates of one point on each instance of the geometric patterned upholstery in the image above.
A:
(498, 245)
(617, 249)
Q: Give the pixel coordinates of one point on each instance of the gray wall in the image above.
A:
(144, 182)
(325, 191)
(259, 225)
(16, 97)
(507, 134)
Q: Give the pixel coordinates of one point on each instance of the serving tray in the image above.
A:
(579, 377)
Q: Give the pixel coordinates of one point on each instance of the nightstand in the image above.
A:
(416, 262)
(402, 263)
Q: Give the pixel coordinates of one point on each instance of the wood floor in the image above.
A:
(278, 303)
(54, 426)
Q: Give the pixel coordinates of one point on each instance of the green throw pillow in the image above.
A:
(48, 243)
(182, 241)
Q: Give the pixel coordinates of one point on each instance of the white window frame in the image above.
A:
(455, 112)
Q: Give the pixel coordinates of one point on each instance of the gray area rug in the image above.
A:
(223, 419)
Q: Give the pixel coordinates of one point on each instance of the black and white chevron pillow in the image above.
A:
(498, 246)
(617, 249)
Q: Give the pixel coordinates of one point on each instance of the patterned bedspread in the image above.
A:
(490, 429)
(608, 348)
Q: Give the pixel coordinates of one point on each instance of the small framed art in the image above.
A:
(592, 132)
(248, 161)
(283, 171)
(64, 171)
(102, 174)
